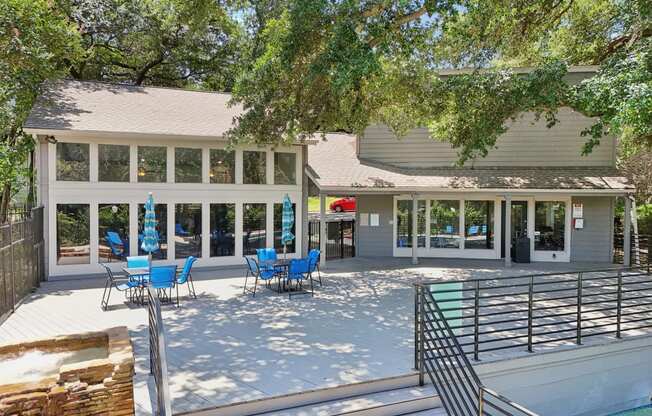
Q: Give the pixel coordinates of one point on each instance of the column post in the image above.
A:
(322, 230)
(627, 233)
(415, 224)
(507, 237)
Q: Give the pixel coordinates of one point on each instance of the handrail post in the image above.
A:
(476, 321)
(417, 319)
(422, 313)
(579, 308)
(530, 313)
(619, 303)
(480, 401)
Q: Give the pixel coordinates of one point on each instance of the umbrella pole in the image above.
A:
(284, 251)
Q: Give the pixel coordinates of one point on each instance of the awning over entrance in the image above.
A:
(335, 168)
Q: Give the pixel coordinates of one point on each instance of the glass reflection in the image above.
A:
(72, 161)
(254, 224)
(222, 230)
(444, 224)
(113, 163)
(479, 224)
(187, 230)
(113, 232)
(73, 234)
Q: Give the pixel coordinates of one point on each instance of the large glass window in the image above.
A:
(285, 168)
(187, 230)
(404, 223)
(444, 224)
(113, 163)
(161, 214)
(222, 166)
(113, 232)
(222, 230)
(152, 164)
(72, 161)
(73, 234)
(187, 165)
(254, 226)
(478, 224)
(278, 229)
(549, 225)
(254, 167)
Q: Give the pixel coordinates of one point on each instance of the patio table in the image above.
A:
(282, 264)
(140, 275)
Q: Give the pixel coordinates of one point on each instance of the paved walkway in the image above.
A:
(226, 347)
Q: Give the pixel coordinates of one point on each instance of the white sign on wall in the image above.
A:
(364, 219)
(578, 210)
(374, 220)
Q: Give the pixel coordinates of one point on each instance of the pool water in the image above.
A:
(639, 411)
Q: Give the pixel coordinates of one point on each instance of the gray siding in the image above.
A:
(593, 243)
(375, 241)
(526, 143)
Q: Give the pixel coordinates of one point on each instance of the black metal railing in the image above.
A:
(640, 248)
(158, 354)
(544, 310)
(22, 266)
(440, 356)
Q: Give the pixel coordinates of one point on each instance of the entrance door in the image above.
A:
(519, 223)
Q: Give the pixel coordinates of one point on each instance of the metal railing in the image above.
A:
(158, 354)
(440, 357)
(22, 266)
(543, 310)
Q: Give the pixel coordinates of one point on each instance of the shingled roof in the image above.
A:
(100, 107)
(333, 166)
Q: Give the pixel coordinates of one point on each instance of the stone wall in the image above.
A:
(93, 387)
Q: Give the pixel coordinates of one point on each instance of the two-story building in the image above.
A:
(104, 147)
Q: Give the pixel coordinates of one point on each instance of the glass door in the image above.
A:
(519, 223)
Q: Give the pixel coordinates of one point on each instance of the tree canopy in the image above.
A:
(340, 65)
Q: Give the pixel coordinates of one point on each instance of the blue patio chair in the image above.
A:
(112, 282)
(139, 262)
(184, 276)
(265, 275)
(118, 248)
(449, 229)
(313, 261)
(178, 229)
(299, 271)
(267, 255)
(473, 230)
(163, 278)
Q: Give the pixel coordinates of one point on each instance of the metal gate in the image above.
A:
(340, 238)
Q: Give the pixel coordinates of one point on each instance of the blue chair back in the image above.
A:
(252, 265)
(313, 259)
(113, 238)
(185, 272)
(298, 267)
(162, 277)
(266, 254)
(137, 262)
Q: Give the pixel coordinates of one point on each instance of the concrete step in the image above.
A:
(273, 405)
(387, 403)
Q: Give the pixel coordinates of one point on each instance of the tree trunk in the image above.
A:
(5, 197)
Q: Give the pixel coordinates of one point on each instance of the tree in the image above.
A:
(157, 42)
(36, 44)
(340, 65)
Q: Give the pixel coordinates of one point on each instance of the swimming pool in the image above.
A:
(639, 411)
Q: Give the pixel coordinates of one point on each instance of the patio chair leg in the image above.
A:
(191, 284)
(312, 286)
(105, 302)
(244, 290)
(255, 284)
(319, 275)
(177, 295)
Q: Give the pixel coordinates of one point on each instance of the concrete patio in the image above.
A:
(226, 347)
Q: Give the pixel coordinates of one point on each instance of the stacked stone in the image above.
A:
(95, 387)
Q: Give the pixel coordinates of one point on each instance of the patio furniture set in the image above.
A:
(290, 274)
(138, 275)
